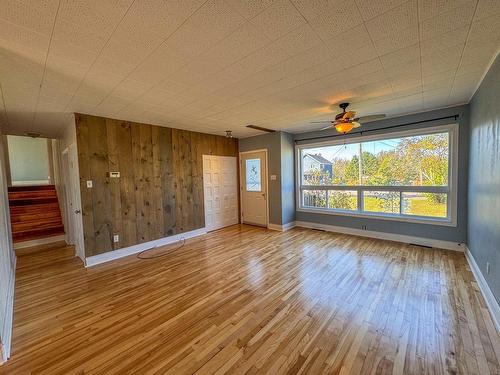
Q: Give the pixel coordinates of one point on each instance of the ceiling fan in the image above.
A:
(346, 121)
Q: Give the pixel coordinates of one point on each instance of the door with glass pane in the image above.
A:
(254, 187)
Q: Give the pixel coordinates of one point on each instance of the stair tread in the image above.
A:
(35, 212)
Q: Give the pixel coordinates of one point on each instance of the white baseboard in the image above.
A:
(9, 317)
(281, 228)
(490, 299)
(384, 236)
(39, 241)
(126, 251)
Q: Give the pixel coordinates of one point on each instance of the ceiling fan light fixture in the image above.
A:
(344, 127)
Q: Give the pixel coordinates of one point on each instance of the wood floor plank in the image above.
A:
(247, 300)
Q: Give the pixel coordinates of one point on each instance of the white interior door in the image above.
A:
(75, 209)
(220, 185)
(254, 187)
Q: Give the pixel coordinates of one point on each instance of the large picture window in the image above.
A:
(400, 176)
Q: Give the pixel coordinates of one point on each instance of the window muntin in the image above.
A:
(404, 175)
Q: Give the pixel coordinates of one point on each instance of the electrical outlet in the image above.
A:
(487, 268)
(363, 227)
(89, 184)
(116, 238)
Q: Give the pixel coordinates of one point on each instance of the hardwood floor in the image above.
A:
(249, 300)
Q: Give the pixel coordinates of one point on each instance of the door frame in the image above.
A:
(72, 185)
(264, 150)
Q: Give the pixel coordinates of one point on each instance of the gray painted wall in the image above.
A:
(455, 234)
(271, 142)
(287, 178)
(484, 178)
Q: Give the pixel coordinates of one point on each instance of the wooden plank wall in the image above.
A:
(160, 189)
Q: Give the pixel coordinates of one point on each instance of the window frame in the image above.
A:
(450, 190)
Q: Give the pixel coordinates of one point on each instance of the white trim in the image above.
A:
(490, 299)
(448, 245)
(126, 251)
(39, 241)
(281, 228)
(381, 216)
(451, 191)
(264, 150)
(9, 317)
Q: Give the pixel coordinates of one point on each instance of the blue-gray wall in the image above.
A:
(484, 177)
(280, 154)
(446, 233)
(271, 142)
(287, 178)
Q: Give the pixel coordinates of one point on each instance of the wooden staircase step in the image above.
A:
(34, 212)
(33, 194)
(31, 188)
(30, 201)
(34, 208)
(37, 233)
(38, 216)
(36, 224)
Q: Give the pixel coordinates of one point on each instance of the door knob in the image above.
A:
(77, 211)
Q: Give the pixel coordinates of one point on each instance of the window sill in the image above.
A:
(378, 216)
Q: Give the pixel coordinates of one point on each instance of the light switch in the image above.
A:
(116, 238)
(273, 177)
(89, 184)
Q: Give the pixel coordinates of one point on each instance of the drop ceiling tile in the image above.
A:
(439, 66)
(486, 30)
(267, 56)
(81, 36)
(311, 9)
(401, 39)
(370, 9)
(394, 21)
(451, 20)
(487, 8)
(408, 68)
(250, 9)
(23, 41)
(480, 55)
(278, 19)
(35, 15)
(353, 39)
(299, 40)
(210, 24)
(455, 38)
(401, 56)
(433, 8)
(239, 44)
(101, 16)
(337, 18)
(57, 81)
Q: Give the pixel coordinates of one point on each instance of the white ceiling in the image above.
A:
(222, 64)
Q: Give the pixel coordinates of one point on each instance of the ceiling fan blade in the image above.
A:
(321, 122)
(355, 124)
(327, 127)
(370, 118)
